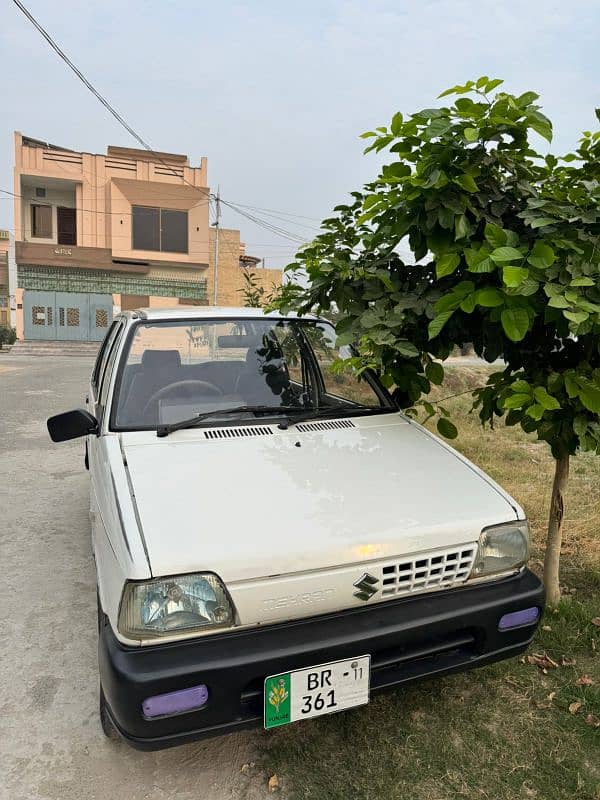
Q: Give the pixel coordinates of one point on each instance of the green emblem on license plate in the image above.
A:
(277, 700)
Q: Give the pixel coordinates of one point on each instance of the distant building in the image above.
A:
(95, 234)
(4, 281)
(232, 261)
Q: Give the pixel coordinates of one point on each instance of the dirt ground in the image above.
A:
(51, 744)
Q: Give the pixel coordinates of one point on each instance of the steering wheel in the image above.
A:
(173, 388)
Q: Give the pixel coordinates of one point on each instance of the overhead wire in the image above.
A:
(290, 235)
(275, 211)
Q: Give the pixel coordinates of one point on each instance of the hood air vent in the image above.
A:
(325, 426)
(238, 433)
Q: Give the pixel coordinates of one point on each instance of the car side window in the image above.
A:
(100, 364)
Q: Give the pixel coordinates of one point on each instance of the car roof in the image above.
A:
(207, 312)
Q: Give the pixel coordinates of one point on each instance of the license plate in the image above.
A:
(312, 692)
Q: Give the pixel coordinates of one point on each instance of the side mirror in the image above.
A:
(72, 425)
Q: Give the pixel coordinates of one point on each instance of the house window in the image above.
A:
(161, 229)
(41, 222)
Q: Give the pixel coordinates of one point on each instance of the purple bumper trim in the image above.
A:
(517, 618)
(162, 705)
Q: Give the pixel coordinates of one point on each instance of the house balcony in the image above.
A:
(49, 211)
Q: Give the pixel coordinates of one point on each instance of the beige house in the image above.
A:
(95, 234)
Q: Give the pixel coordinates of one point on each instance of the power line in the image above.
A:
(292, 237)
(276, 211)
(288, 221)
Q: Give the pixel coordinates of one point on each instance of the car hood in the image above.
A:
(263, 501)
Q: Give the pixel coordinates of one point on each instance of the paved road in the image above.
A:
(51, 745)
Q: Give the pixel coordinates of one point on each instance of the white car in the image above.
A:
(274, 540)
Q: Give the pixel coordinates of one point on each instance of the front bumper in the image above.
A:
(408, 639)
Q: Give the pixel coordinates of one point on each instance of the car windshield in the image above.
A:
(176, 370)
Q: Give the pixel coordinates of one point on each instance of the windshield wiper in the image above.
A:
(165, 430)
(332, 411)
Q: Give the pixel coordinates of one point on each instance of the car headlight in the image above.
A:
(502, 548)
(164, 607)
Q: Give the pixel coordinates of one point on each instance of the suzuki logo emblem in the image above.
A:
(366, 586)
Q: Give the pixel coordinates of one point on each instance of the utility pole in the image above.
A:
(217, 220)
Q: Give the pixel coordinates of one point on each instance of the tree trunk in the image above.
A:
(555, 525)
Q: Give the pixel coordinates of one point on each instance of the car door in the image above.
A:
(103, 514)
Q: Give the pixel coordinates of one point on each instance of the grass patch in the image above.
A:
(502, 732)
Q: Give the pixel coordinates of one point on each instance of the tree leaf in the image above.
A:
(345, 338)
(438, 127)
(489, 297)
(406, 348)
(492, 84)
(515, 322)
(540, 124)
(446, 217)
(590, 397)
(370, 318)
(502, 254)
(526, 99)
(454, 90)
(516, 400)
(396, 126)
(436, 325)
(469, 303)
(571, 385)
(558, 301)
(576, 316)
(536, 411)
(446, 264)
(461, 226)
(485, 265)
(478, 260)
(583, 281)
(471, 134)
(541, 222)
(542, 255)
(447, 428)
(514, 276)
(521, 386)
(546, 400)
(467, 182)
(434, 372)
(495, 235)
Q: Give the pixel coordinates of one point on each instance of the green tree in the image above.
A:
(502, 247)
(254, 293)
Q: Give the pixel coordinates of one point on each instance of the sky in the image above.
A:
(275, 93)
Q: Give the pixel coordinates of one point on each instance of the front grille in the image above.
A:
(439, 568)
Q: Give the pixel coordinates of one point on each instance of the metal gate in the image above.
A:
(66, 315)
